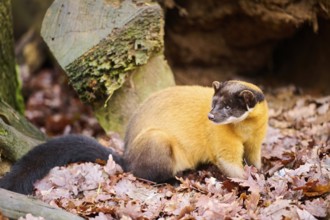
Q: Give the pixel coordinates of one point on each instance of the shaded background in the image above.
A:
(272, 42)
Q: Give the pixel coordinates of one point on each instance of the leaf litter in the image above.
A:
(294, 182)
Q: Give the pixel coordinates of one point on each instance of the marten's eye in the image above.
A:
(227, 107)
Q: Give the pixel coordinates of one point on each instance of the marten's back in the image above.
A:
(175, 110)
(180, 111)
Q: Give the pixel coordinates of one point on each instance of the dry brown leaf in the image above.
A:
(313, 188)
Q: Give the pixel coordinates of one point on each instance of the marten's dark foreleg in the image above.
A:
(150, 156)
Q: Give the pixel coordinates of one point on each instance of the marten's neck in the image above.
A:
(259, 112)
(257, 119)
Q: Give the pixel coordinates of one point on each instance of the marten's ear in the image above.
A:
(249, 98)
(216, 85)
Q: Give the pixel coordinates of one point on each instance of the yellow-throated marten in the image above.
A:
(173, 130)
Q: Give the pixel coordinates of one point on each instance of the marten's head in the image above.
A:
(233, 101)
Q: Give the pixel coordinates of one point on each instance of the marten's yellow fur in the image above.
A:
(171, 132)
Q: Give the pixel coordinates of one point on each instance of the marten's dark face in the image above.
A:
(232, 102)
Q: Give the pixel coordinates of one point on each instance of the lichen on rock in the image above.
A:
(104, 68)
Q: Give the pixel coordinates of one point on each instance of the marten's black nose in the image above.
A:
(211, 116)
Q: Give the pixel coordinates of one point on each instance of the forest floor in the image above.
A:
(294, 182)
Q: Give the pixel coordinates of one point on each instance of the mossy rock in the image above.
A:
(102, 53)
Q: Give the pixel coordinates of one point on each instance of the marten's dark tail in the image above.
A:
(57, 152)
